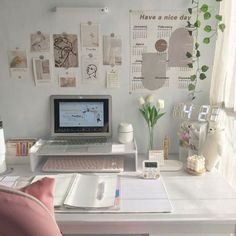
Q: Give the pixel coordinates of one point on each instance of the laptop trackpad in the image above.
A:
(51, 149)
(75, 148)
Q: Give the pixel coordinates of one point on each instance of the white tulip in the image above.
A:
(141, 101)
(150, 99)
(160, 104)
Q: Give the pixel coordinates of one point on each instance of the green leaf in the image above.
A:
(207, 28)
(207, 15)
(206, 40)
(219, 0)
(202, 76)
(190, 10)
(197, 23)
(193, 77)
(204, 8)
(218, 17)
(191, 87)
(198, 54)
(197, 45)
(188, 55)
(190, 65)
(204, 68)
(222, 27)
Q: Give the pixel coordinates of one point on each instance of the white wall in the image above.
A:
(24, 108)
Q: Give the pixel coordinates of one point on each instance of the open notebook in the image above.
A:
(83, 190)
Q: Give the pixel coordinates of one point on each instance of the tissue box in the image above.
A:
(196, 163)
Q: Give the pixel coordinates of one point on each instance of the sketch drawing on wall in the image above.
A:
(90, 37)
(112, 50)
(90, 67)
(91, 71)
(65, 50)
(40, 42)
(18, 63)
(67, 81)
(41, 69)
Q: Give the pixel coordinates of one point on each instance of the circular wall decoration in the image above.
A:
(161, 45)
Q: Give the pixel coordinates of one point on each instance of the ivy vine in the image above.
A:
(203, 13)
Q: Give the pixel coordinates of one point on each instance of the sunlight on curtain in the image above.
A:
(223, 88)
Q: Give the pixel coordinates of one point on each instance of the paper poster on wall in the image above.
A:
(40, 42)
(90, 69)
(112, 78)
(18, 64)
(67, 80)
(90, 37)
(41, 70)
(112, 50)
(154, 35)
(65, 50)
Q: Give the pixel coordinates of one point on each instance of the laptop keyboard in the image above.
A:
(76, 146)
(83, 164)
(79, 141)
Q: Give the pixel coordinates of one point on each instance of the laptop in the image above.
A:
(79, 124)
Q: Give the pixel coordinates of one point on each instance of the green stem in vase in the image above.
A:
(151, 136)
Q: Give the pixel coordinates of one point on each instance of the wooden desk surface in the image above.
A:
(202, 204)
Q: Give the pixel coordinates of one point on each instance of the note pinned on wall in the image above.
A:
(18, 63)
(112, 79)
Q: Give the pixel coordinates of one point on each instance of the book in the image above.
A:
(84, 190)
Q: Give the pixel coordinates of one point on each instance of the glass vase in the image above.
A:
(151, 138)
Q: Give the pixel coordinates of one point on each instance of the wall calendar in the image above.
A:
(158, 46)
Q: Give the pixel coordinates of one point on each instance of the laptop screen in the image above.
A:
(85, 115)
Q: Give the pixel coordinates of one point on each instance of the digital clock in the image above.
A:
(151, 169)
(190, 111)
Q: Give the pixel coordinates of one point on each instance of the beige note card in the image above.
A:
(112, 79)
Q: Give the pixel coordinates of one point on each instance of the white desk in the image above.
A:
(204, 205)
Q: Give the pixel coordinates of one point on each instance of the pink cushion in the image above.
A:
(23, 215)
(43, 190)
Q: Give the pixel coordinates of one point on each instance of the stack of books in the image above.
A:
(85, 191)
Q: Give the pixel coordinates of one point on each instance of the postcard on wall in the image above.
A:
(65, 50)
(90, 37)
(41, 70)
(112, 78)
(18, 64)
(112, 50)
(40, 42)
(90, 69)
(67, 80)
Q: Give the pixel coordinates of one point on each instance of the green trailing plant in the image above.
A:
(204, 24)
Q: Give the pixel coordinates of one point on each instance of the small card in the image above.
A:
(157, 155)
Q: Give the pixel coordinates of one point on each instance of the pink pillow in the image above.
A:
(23, 215)
(43, 190)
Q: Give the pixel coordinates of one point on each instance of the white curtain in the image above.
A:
(223, 87)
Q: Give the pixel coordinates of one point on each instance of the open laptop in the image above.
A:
(79, 124)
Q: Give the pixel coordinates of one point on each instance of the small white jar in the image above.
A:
(125, 133)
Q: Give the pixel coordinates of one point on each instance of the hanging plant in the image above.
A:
(209, 30)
